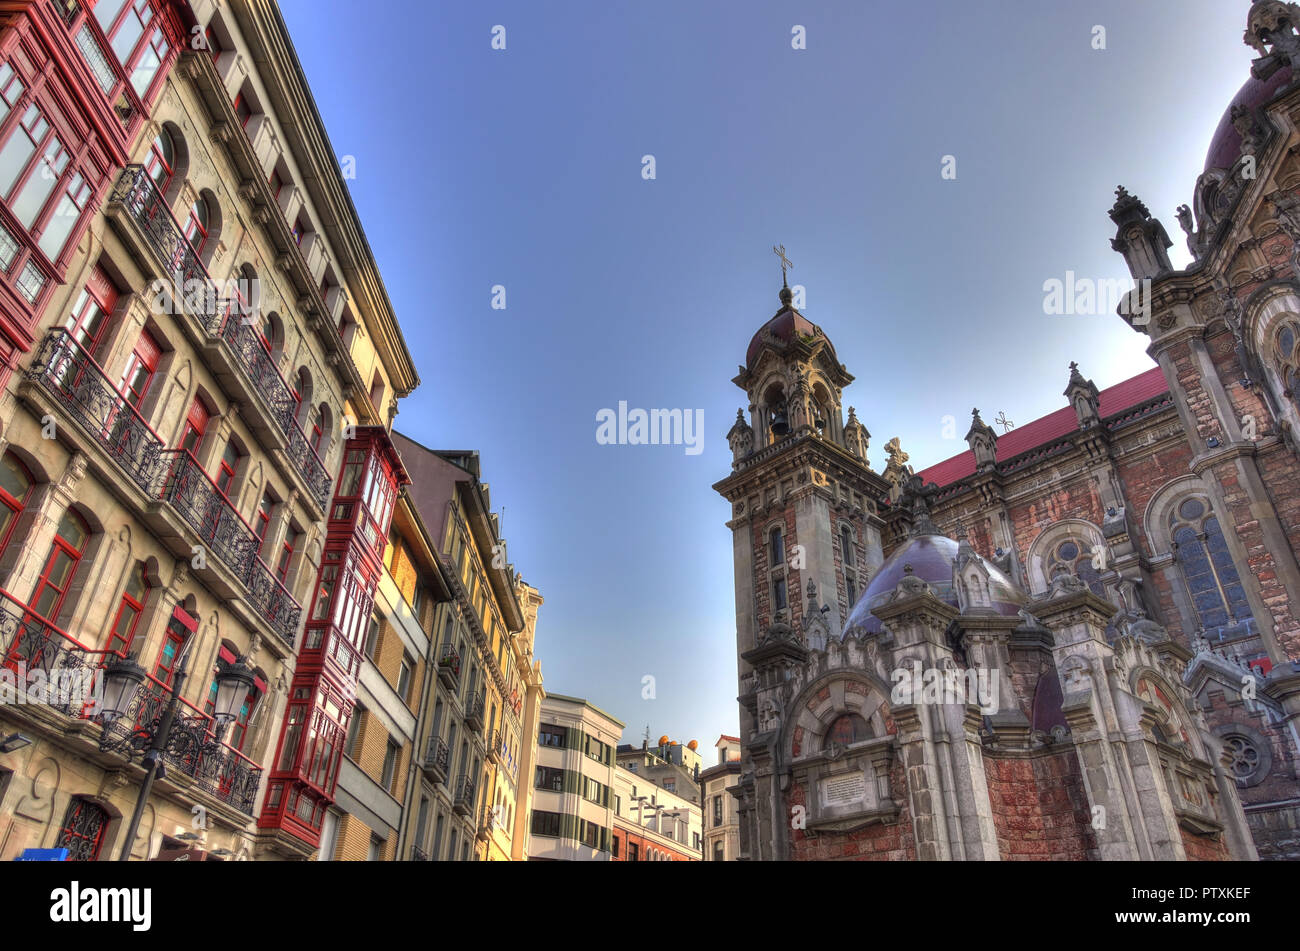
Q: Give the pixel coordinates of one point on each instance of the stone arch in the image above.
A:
(1164, 501)
(847, 691)
(1148, 684)
(1042, 547)
(180, 161)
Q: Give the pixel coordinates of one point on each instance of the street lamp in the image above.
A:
(188, 739)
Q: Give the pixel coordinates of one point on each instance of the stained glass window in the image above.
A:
(1212, 580)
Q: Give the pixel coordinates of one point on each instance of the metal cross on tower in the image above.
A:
(779, 251)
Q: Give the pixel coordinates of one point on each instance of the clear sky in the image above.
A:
(523, 168)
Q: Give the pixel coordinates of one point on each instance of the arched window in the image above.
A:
(60, 565)
(847, 729)
(82, 832)
(318, 426)
(1076, 556)
(15, 489)
(776, 547)
(1288, 352)
(1218, 596)
(196, 228)
(161, 164)
(129, 610)
(270, 333)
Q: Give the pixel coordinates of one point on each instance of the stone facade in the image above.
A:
(1123, 573)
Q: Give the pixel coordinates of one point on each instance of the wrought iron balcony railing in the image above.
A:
(76, 382)
(464, 796)
(69, 374)
(213, 766)
(208, 511)
(474, 712)
(449, 666)
(438, 757)
(418, 854)
(136, 192)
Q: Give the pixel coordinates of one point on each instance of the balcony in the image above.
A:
(224, 332)
(77, 385)
(474, 713)
(463, 802)
(496, 748)
(437, 758)
(418, 854)
(195, 760)
(449, 668)
(486, 824)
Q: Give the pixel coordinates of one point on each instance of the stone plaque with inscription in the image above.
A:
(848, 789)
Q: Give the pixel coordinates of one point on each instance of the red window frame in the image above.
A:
(129, 609)
(291, 539)
(144, 356)
(317, 430)
(276, 183)
(158, 161)
(229, 468)
(299, 229)
(150, 39)
(60, 547)
(194, 228)
(263, 518)
(196, 425)
(214, 45)
(243, 110)
(164, 667)
(92, 312)
(239, 729)
(13, 504)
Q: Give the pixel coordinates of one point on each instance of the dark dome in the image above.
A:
(784, 326)
(1225, 147)
(931, 558)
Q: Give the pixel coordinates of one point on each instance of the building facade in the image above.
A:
(486, 672)
(1079, 639)
(573, 804)
(719, 805)
(195, 444)
(652, 824)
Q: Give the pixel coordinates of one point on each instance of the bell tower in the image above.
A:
(805, 504)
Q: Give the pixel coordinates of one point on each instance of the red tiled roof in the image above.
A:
(1114, 399)
(734, 739)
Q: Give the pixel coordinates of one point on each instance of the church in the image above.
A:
(1122, 574)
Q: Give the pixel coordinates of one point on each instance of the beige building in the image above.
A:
(652, 824)
(384, 806)
(721, 821)
(167, 457)
(573, 795)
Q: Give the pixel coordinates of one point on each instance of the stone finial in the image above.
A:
(856, 437)
(983, 442)
(1140, 238)
(740, 438)
(1084, 397)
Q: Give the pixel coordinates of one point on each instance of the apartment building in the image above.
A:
(486, 674)
(383, 807)
(195, 466)
(652, 824)
(721, 820)
(573, 795)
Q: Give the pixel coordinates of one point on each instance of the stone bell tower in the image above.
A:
(806, 526)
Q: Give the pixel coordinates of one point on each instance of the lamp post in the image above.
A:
(123, 679)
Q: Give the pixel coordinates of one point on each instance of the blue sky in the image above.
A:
(523, 168)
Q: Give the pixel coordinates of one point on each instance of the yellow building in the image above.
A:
(486, 674)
